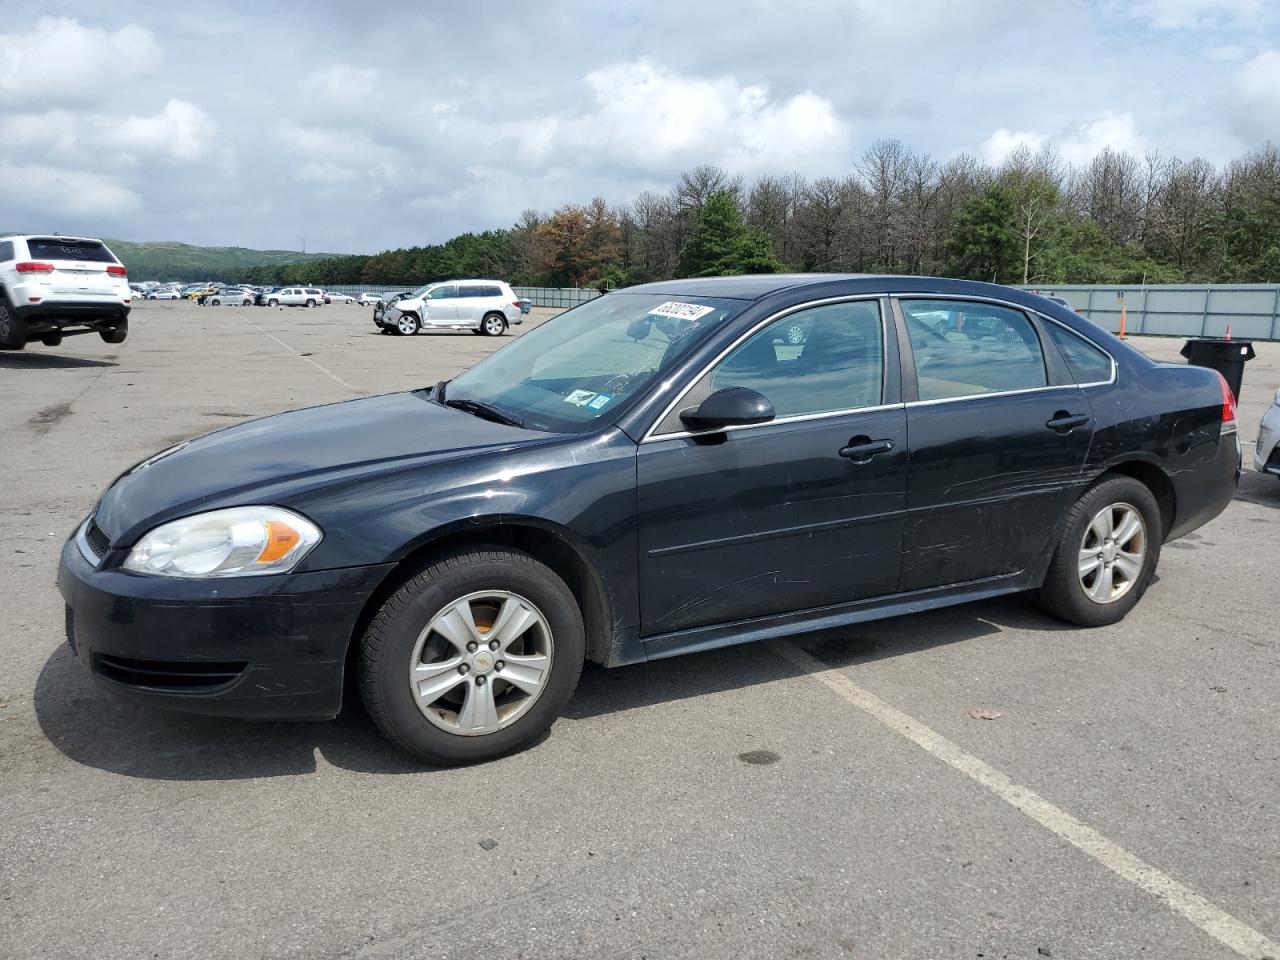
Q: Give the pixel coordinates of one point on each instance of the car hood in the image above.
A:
(274, 458)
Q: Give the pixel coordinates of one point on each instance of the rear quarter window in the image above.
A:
(61, 248)
(1087, 363)
(6, 251)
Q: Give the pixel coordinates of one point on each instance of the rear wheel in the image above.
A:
(116, 334)
(473, 657)
(407, 325)
(13, 329)
(494, 325)
(1106, 554)
(311, 303)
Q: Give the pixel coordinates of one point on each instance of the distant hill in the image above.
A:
(182, 261)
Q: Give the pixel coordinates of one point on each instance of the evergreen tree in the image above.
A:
(722, 245)
(983, 245)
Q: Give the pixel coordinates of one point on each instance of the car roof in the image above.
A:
(759, 286)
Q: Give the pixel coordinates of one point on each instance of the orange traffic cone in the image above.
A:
(1123, 316)
(1228, 331)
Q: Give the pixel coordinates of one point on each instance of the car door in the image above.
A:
(803, 511)
(999, 433)
(441, 305)
(470, 304)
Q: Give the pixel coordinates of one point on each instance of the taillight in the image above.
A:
(34, 267)
(515, 303)
(1228, 402)
(117, 270)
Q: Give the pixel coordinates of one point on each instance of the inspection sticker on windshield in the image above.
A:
(681, 311)
(600, 402)
(580, 398)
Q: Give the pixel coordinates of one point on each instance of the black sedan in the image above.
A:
(661, 470)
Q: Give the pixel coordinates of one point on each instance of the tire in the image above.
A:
(273, 303)
(311, 303)
(407, 325)
(1069, 589)
(52, 340)
(401, 636)
(13, 329)
(246, 303)
(493, 324)
(117, 334)
(216, 303)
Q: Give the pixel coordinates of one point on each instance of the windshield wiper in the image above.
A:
(437, 392)
(485, 411)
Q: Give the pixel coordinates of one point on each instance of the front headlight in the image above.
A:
(237, 542)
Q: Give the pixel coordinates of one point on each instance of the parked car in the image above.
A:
(1266, 455)
(339, 297)
(651, 473)
(369, 298)
(55, 287)
(231, 295)
(481, 306)
(295, 297)
(164, 295)
(199, 292)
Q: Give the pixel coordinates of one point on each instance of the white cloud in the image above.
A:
(997, 147)
(51, 191)
(1078, 143)
(60, 61)
(1255, 97)
(651, 117)
(341, 89)
(1189, 14)
(180, 132)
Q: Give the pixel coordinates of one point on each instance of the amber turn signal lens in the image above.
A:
(281, 538)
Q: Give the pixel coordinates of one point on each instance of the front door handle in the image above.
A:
(862, 449)
(1064, 422)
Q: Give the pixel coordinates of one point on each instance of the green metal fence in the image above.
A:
(1180, 310)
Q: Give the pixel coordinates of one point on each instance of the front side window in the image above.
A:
(443, 292)
(591, 361)
(820, 360)
(1086, 362)
(964, 349)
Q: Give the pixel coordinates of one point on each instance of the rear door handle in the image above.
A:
(862, 449)
(1064, 421)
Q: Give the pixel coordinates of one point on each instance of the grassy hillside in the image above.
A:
(182, 261)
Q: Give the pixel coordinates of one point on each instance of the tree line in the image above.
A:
(1032, 219)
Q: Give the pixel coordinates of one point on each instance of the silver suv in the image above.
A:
(51, 287)
(481, 306)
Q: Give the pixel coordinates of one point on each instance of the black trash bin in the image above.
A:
(1228, 357)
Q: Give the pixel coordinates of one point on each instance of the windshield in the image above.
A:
(420, 292)
(566, 374)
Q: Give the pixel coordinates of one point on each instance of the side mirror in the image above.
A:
(730, 407)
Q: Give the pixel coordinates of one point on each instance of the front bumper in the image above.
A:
(1265, 457)
(269, 647)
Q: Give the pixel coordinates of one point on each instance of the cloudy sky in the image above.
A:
(363, 126)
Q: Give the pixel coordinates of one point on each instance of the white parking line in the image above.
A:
(323, 369)
(1219, 924)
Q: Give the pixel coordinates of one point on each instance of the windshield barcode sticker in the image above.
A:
(681, 311)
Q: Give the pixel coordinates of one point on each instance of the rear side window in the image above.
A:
(491, 292)
(6, 251)
(1086, 362)
(63, 248)
(471, 291)
(965, 349)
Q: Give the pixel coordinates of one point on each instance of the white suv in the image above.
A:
(296, 297)
(481, 306)
(51, 287)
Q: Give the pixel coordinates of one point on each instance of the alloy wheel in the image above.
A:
(481, 662)
(407, 326)
(493, 326)
(1113, 552)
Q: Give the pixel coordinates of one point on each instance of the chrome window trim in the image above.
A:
(1115, 367)
(650, 436)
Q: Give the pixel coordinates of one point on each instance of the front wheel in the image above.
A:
(116, 334)
(216, 303)
(407, 324)
(273, 303)
(494, 325)
(473, 657)
(1106, 554)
